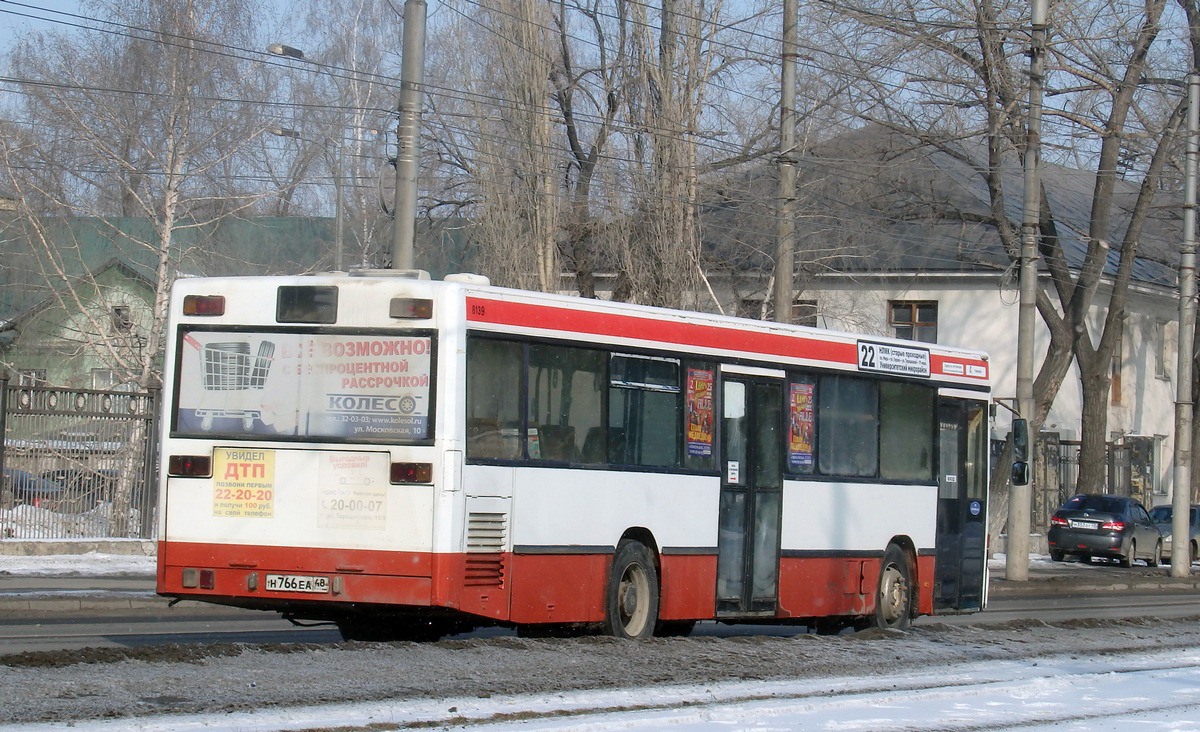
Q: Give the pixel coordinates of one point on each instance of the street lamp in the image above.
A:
(280, 49)
(408, 131)
(338, 239)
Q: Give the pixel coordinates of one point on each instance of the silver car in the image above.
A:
(1162, 516)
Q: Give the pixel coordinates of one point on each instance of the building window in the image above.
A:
(913, 320)
(1116, 368)
(804, 312)
(1160, 350)
(122, 318)
(104, 378)
(31, 377)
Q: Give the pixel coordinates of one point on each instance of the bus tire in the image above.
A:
(893, 601)
(631, 599)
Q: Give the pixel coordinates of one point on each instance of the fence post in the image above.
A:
(3, 428)
(150, 463)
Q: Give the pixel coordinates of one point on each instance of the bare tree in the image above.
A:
(957, 71)
(500, 136)
(616, 145)
(145, 123)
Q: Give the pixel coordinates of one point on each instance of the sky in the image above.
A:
(23, 16)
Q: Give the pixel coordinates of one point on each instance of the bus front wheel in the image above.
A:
(631, 599)
(893, 605)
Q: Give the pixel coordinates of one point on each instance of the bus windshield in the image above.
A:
(337, 386)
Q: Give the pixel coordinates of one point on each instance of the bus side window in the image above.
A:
(848, 427)
(566, 388)
(557, 442)
(644, 411)
(485, 439)
(906, 431)
(493, 398)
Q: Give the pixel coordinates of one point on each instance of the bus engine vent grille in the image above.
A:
(486, 533)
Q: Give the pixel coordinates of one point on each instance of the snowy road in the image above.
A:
(1153, 691)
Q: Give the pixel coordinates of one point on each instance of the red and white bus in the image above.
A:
(408, 458)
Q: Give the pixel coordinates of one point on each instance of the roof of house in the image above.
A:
(875, 201)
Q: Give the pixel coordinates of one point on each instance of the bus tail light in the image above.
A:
(210, 305)
(189, 466)
(412, 473)
(411, 308)
(205, 579)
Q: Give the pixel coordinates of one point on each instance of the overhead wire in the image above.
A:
(460, 96)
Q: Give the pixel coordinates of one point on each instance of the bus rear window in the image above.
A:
(352, 387)
(307, 304)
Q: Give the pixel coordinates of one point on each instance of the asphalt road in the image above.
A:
(58, 613)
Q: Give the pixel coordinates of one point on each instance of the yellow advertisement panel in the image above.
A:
(244, 483)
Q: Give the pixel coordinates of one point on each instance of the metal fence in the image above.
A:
(77, 463)
(1129, 471)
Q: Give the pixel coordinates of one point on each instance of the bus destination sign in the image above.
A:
(889, 358)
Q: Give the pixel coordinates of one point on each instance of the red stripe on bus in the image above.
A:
(620, 325)
(532, 588)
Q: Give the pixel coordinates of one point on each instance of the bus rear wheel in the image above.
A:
(893, 603)
(631, 599)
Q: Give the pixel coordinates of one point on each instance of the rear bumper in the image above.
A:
(237, 575)
(1080, 542)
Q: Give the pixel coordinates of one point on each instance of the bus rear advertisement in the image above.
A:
(408, 458)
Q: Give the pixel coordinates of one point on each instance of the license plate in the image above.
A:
(297, 583)
(1092, 525)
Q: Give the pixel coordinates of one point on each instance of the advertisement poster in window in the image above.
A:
(367, 387)
(800, 426)
(700, 412)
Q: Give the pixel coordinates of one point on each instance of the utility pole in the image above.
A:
(339, 216)
(1016, 552)
(1181, 492)
(785, 249)
(408, 134)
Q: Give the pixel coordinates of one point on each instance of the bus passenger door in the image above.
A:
(751, 497)
(960, 570)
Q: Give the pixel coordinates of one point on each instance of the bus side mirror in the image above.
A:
(1020, 473)
(1020, 465)
(1020, 438)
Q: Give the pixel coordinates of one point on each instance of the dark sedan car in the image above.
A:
(1116, 527)
(21, 486)
(1162, 515)
(84, 489)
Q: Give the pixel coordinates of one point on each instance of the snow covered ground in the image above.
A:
(90, 564)
(1152, 691)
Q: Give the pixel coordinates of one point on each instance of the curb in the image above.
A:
(48, 547)
(66, 604)
(1066, 587)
